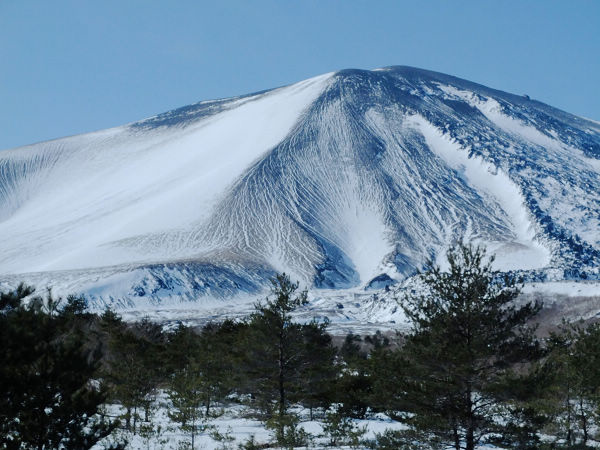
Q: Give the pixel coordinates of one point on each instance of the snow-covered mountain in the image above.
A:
(347, 180)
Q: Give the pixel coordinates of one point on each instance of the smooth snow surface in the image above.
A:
(104, 191)
(567, 288)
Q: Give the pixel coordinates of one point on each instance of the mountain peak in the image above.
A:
(347, 180)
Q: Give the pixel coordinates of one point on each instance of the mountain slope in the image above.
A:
(351, 179)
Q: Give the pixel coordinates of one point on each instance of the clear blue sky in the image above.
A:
(72, 66)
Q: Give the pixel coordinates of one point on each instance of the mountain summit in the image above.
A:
(349, 179)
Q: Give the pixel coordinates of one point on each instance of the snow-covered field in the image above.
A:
(235, 426)
(230, 427)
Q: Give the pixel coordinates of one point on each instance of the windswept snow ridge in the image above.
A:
(350, 180)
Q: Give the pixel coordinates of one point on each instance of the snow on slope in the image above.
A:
(521, 253)
(557, 151)
(347, 180)
(111, 186)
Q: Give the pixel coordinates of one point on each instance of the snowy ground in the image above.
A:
(364, 312)
(237, 428)
(354, 310)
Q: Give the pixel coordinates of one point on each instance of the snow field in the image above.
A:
(233, 422)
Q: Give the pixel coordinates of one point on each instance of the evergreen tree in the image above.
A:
(284, 362)
(13, 299)
(318, 369)
(385, 366)
(341, 430)
(132, 368)
(187, 399)
(368, 373)
(574, 362)
(354, 385)
(217, 361)
(49, 398)
(585, 359)
(467, 336)
(351, 351)
(274, 348)
(200, 369)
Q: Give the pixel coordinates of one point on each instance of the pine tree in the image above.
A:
(274, 347)
(385, 368)
(585, 359)
(318, 368)
(280, 361)
(217, 361)
(47, 371)
(368, 373)
(574, 393)
(132, 368)
(187, 399)
(197, 379)
(467, 336)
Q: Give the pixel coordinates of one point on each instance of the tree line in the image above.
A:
(471, 370)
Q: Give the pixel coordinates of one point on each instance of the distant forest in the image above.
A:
(471, 370)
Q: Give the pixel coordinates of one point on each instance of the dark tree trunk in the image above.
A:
(584, 424)
(470, 444)
(281, 377)
(470, 431)
(135, 417)
(456, 438)
(128, 419)
(569, 434)
(193, 429)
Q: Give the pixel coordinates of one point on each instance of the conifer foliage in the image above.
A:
(200, 374)
(279, 354)
(574, 394)
(467, 336)
(470, 372)
(131, 372)
(48, 398)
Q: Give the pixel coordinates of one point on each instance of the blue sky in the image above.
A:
(69, 67)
